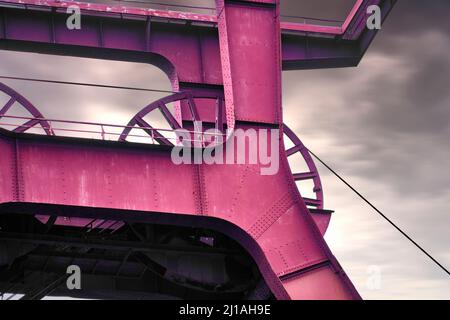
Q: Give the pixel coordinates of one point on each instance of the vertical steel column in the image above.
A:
(249, 35)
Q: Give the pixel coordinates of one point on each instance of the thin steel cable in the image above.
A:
(87, 84)
(380, 213)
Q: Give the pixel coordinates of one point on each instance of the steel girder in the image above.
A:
(245, 57)
(185, 43)
(264, 213)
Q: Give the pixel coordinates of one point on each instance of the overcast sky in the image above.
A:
(384, 125)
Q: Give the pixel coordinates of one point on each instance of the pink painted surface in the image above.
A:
(111, 10)
(322, 277)
(118, 10)
(254, 81)
(245, 57)
(351, 15)
(322, 220)
(133, 179)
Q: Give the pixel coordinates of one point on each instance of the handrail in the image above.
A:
(102, 126)
(181, 15)
(167, 5)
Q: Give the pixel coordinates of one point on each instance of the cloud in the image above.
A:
(385, 126)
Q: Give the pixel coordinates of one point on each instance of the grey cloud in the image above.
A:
(385, 126)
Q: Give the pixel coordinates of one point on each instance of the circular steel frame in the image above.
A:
(161, 105)
(38, 118)
(312, 174)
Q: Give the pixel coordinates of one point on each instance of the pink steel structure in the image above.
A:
(228, 71)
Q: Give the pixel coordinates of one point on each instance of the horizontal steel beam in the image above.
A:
(91, 8)
(67, 177)
(190, 50)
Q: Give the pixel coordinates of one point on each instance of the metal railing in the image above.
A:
(192, 12)
(101, 132)
(157, 5)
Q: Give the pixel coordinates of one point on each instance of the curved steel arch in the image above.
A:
(161, 105)
(28, 106)
(312, 174)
